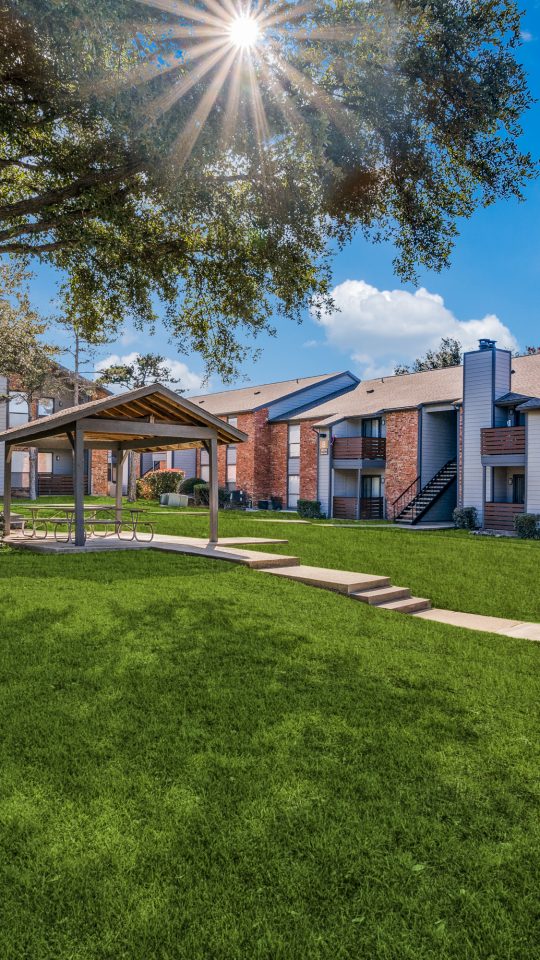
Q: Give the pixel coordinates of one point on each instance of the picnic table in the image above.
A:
(100, 520)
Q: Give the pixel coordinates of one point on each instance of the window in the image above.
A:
(371, 428)
(294, 441)
(205, 466)
(45, 407)
(18, 410)
(45, 463)
(294, 490)
(371, 487)
(233, 421)
(231, 467)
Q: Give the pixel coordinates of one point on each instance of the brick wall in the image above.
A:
(308, 460)
(401, 452)
(99, 473)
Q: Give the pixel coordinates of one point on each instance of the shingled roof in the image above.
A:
(256, 396)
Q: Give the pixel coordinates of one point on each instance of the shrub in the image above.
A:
(188, 485)
(310, 509)
(156, 482)
(465, 518)
(276, 503)
(527, 526)
(201, 492)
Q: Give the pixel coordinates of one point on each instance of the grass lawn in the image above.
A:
(199, 762)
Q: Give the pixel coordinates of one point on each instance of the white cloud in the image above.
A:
(189, 381)
(310, 344)
(526, 36)
(378, 328)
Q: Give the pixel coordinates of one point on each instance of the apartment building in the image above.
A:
(408, 448)
(55, 466)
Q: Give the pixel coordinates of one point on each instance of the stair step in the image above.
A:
(412, 605)
(381, 595)
(342, 581)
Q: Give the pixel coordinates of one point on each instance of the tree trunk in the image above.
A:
(132, 479)
(76, 383)
(33, 468)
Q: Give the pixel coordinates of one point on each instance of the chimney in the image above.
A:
(485, 344)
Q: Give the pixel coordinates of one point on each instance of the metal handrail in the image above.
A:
(394, 510)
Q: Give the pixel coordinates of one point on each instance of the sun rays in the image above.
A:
(231, 56)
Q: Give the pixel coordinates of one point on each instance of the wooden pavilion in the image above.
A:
(148, 419)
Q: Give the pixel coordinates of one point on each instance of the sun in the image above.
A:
(244, 32)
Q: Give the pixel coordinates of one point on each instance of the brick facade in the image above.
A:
(401, 452)
(261, 462)
(99, 474)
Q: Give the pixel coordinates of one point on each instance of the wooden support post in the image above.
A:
(7, 491)
(214, 494)
(78, 486)
(120, 460)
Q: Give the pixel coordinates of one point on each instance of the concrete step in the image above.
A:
(412, 605)
(381, 595)
(342, 581)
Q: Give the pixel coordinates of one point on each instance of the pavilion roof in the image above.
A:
(153, 408)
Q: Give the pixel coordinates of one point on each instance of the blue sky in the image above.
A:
(491, 288)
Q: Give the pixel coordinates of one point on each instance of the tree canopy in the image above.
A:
(151, 165)
(449, 353)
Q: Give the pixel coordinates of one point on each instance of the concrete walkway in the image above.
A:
(475, 621)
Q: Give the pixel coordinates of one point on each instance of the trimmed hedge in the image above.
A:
(527, 526)
(310, 509)
(465, 518)
(156, 482)
(189, 484)
(201, 492)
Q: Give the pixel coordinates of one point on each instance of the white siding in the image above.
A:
(533, 463)
(3, 426)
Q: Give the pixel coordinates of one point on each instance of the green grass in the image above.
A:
(201, 762)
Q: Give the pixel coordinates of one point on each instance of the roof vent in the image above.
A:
(485, 344)
(256, 393)
(371, 390)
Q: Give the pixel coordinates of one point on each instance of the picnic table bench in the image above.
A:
(100, 521)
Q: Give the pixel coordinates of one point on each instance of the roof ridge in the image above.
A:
(271, 383)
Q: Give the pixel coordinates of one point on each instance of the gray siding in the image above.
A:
(439, 442)
(533, 463)
(346, 483)
(442, 510)
(348, 428)
(3, 426)
(324, 464)
(185, 460)
(311, 396)
(486, 376)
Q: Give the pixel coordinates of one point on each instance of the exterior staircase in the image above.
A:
(429, 494)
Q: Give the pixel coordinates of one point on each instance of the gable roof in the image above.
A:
(410, 390)
(142, 406)
(258, 396)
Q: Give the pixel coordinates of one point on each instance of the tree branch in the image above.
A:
(42, 226)
(52, 197)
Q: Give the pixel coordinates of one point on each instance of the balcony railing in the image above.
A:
(359, 448)
(501, 440)
(500, 516)
(346, 508)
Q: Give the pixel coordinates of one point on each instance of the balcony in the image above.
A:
(500, 516)
(346, 508)
(497, 441)
(359, 448)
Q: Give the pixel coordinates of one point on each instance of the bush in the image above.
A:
(310, 509)
(156, 482)
(527, 526)
(276, 503)
(188, 485)
(465, 518)
(201, 492)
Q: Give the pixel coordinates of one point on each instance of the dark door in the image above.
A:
(518, 488)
